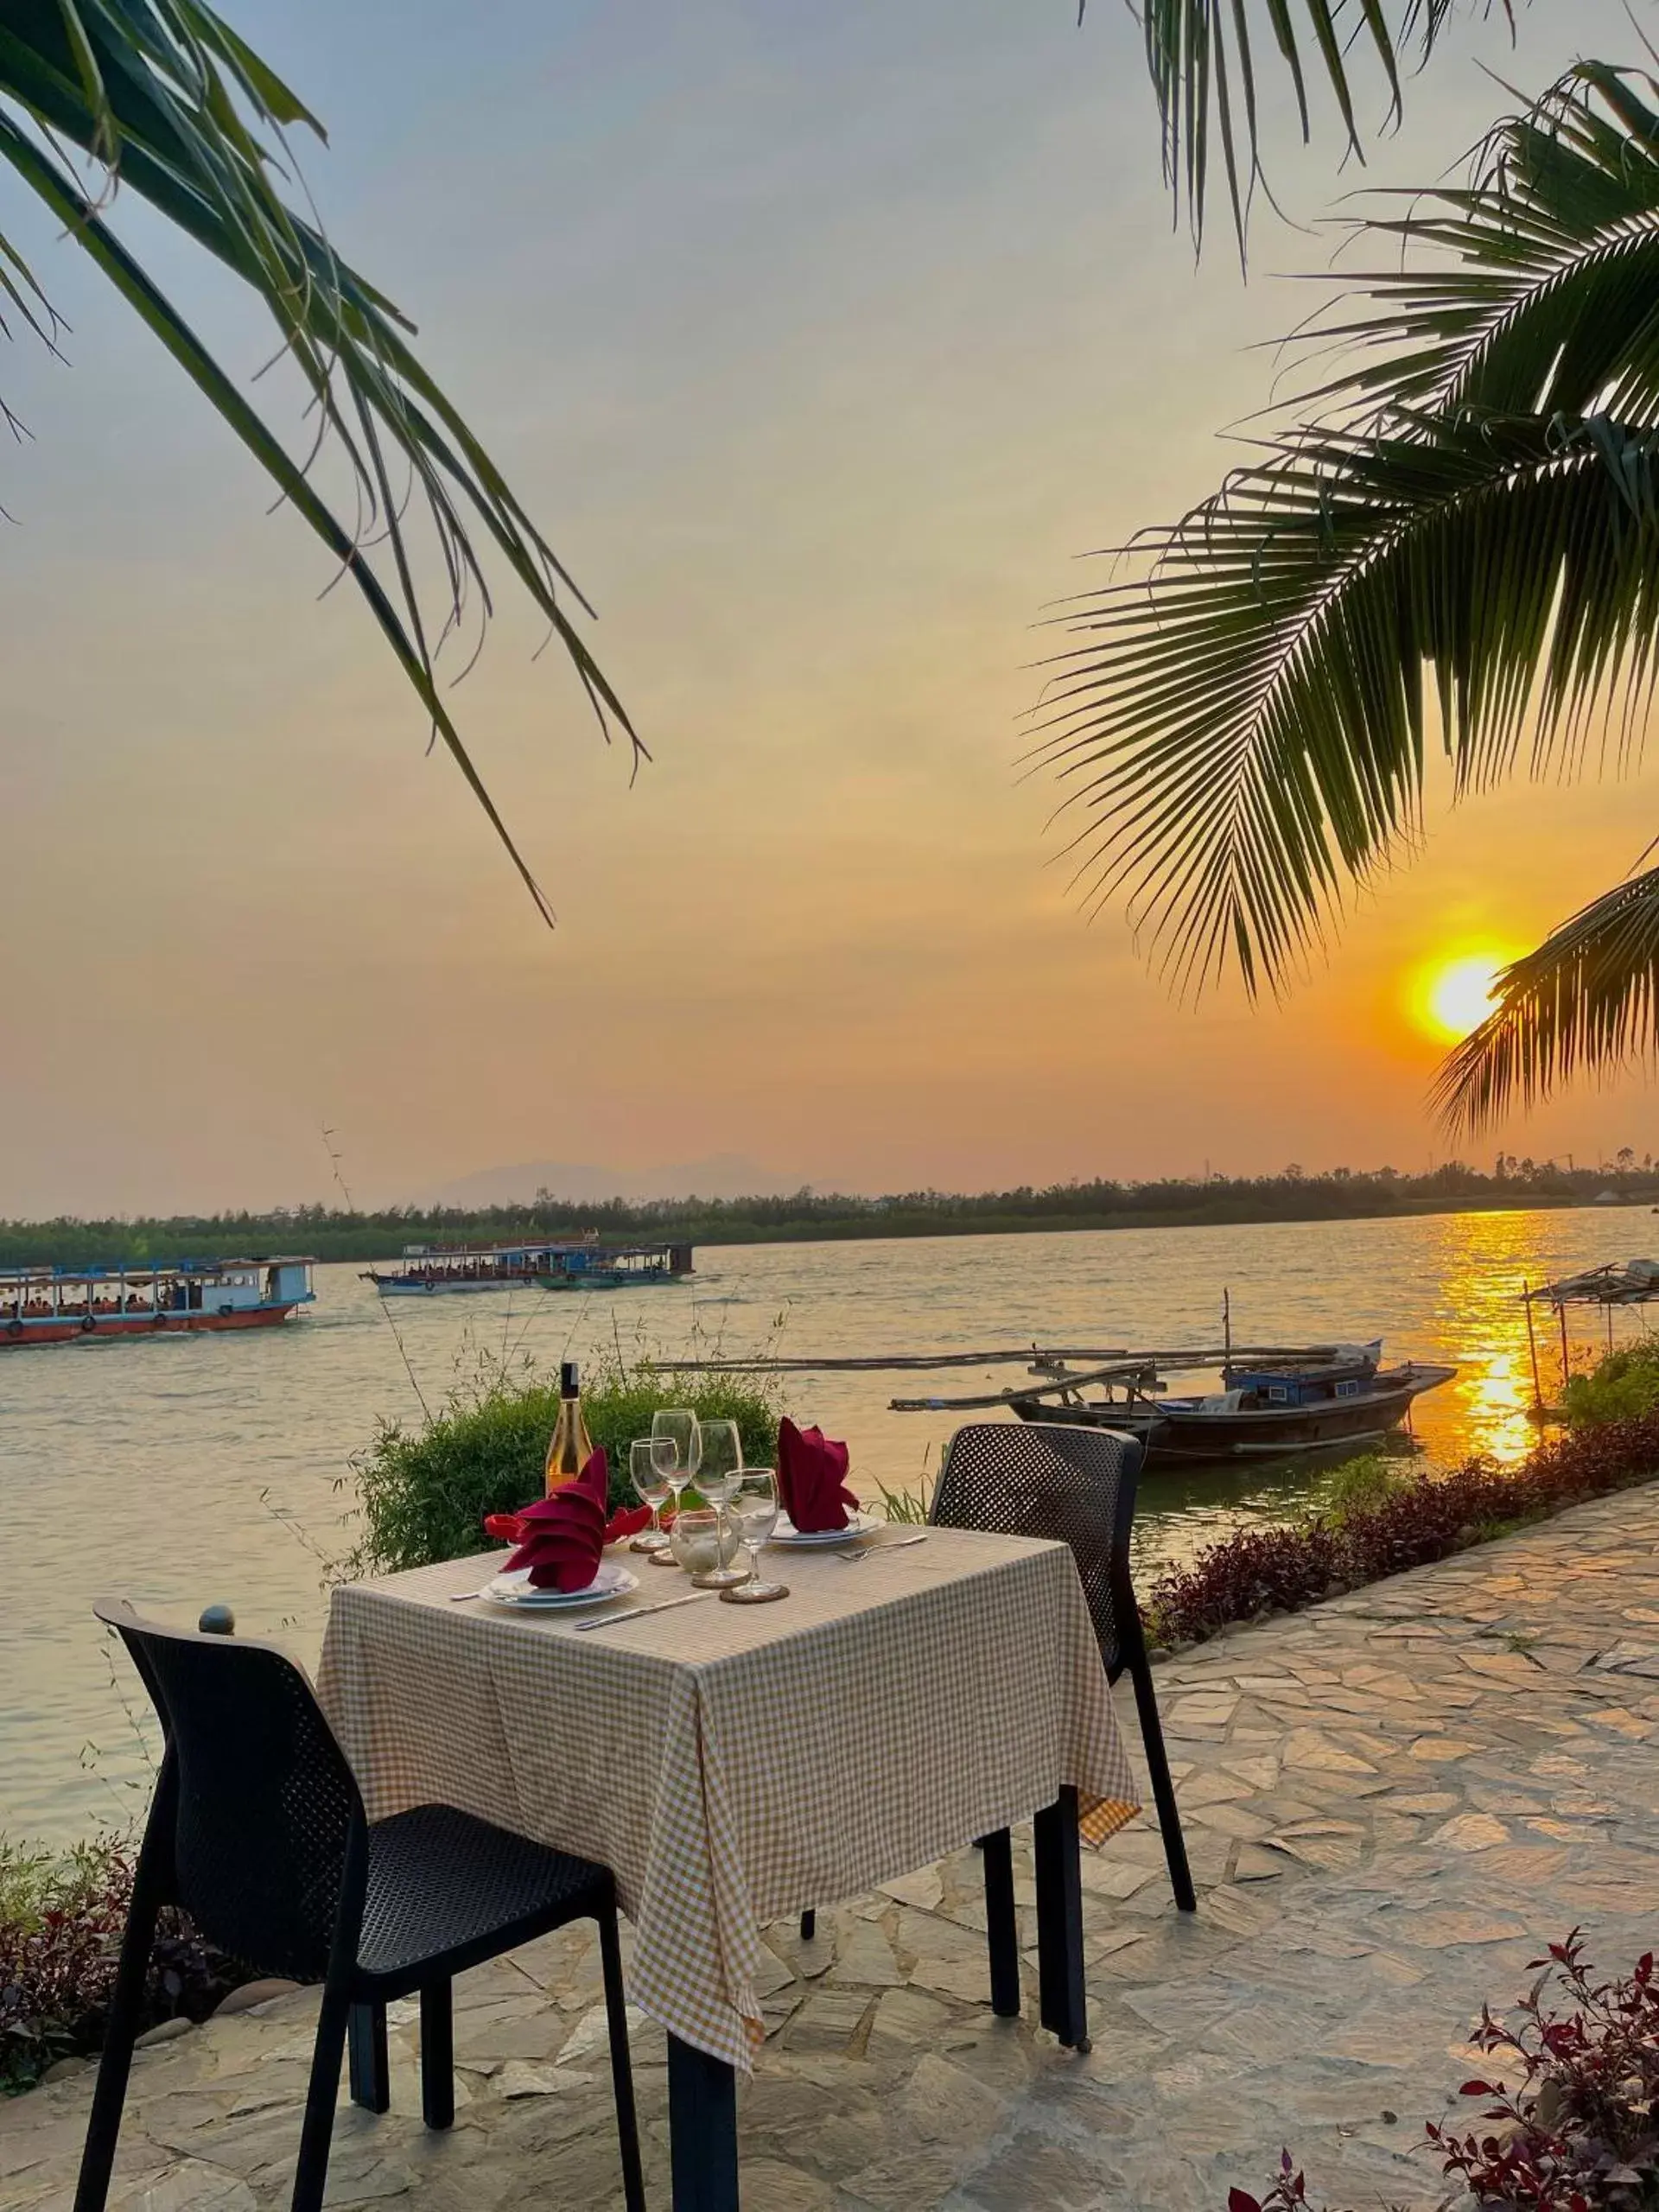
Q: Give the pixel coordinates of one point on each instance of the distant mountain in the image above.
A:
(722, 1175)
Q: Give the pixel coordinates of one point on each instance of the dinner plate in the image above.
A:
(858, 1524)
(613, 1580)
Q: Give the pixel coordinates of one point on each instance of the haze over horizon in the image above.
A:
(820, 343)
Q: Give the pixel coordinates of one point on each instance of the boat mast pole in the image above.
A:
(1532, 1346)
(1227, 1324)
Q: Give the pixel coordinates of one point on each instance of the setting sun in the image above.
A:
(1455, 996)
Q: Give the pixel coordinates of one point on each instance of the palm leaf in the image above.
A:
(179, 108)
(1586, 999)
(1204, 58)
(1243, 727)
(1467, 524)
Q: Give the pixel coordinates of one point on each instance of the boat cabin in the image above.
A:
(1317, 1385)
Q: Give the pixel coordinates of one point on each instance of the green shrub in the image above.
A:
(424, 1492)
(1622, 1387)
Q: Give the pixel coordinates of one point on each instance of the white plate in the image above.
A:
(613, 1580)
(858, 1524)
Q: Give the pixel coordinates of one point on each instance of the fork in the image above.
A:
(862, 1552)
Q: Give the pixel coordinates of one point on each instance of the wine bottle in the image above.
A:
(569, 1453)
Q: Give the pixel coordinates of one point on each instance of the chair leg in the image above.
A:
(120, 2033)
(616, 2014)
(316, 2131)
(367, 2065)
(809, 1925)
(1063, 1996)
(437, 2054)
(1002, 1930)
(1163, 1788)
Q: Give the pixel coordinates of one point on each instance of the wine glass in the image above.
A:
(677, 1430)
(651, 1461)
(754, 1506)
(719, 1470)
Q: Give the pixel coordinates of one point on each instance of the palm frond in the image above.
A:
(179, 110)
(1243, 724)
(1586, 999)
(1204, 58)
(1535, 288)
(1463, 515)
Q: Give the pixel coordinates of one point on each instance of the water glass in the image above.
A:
(702, 1543)
(754, 1506)
(719, 1470)
(651, 1461)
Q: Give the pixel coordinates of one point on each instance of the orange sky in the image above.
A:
(820, 347)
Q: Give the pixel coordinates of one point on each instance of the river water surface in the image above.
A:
(183, 1469)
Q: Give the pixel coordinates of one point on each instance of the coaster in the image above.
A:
(754, 1593)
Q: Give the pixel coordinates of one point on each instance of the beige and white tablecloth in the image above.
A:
(734, 1764)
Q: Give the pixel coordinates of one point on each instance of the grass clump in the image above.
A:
(423, 1492)
(1621, 1387)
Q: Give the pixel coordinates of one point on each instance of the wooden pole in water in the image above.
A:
(1565, 1367)
(1532, 1346)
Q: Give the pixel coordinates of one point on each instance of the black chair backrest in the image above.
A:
(1076, 1485)
(266, 1801)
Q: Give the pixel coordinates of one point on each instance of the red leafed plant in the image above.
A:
(1578, 2132)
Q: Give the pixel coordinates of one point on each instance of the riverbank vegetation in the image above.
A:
(1376, 1522)
(423, 1492)
(807, 1216)
(62, 1919)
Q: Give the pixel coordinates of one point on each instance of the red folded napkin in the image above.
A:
(812, 1478)
(560, 1537)
(626, 1521)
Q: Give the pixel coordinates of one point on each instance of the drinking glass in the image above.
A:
(718, 1472)
(677, 1430)
(754, 1506)
(651, 1461)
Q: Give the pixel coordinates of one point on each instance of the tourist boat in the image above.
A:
(1339, 1395)
(426, 1271)
(52, 1306)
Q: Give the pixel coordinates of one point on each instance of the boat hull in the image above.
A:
(18, 1335)
(1173, 1434)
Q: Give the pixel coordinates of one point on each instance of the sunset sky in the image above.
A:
(821, 340)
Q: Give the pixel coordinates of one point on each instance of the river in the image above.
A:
(184, 1469)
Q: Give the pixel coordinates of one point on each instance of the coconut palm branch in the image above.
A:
(1586, 999)
(166, 101)
(1462, 541)
(1204, 58)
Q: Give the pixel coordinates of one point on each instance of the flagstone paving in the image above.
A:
(1391, 1803)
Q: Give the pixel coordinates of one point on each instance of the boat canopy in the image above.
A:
(1617, 1282)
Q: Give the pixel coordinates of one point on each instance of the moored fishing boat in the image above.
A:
(426, 1271)
(55, 1305)
(1308, 1404)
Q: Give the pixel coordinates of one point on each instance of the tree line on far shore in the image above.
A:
(328, 1233)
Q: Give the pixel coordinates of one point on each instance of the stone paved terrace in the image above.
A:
(1392, 1803)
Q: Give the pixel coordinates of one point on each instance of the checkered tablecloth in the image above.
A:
(734, 1764)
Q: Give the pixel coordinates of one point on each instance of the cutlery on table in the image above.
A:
(461, 1597)
(873, 1551)
(639, 1612)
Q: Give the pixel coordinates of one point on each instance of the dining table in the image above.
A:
(736, 1765)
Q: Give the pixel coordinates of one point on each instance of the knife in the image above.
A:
(639, 1612)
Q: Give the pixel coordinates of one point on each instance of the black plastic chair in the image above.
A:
(1041, 1478)
(257, 1830)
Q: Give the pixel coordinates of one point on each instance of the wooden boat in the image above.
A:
(54, 1305)
(426, 1271)
(1259, 1413)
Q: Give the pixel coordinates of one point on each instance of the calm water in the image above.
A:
(191, 1468)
